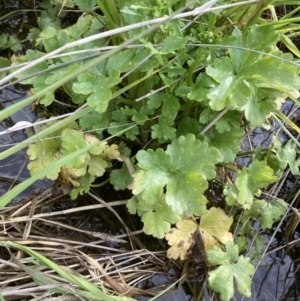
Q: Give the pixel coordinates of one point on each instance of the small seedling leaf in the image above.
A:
(270, 212)
(158, 219)
(231, 267)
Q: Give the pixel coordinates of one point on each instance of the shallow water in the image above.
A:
(13, 169)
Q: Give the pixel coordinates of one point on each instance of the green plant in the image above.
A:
(11, 42)
(189, 91)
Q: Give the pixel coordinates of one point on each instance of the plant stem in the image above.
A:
(190, 81)
(258, 11)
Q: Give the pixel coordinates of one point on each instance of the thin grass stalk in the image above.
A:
(290, 45)
(44, 133)
(9, 111)
(258, 11)
(15, 108)
(81, 113)
(290, 123)
(200, 10)
(110, 11)
(78, 114)
(64, 212)
(8, 196)
(156, 22)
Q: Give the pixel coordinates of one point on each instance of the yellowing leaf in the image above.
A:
(215, 224)
(99, 146)
(208, 239)
(181, 239)
(76, 172)
(97, 166)
(68, 174)
(43, 154)
(112, 152)
(214, 230)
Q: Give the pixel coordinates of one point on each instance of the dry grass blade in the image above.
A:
(64, 243)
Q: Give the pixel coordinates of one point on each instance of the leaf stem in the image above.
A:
(229, 167)
(258, 11)
(190, 81)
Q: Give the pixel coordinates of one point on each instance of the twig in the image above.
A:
(100, 235)
(67, 211)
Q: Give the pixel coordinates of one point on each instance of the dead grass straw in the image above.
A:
(60, 230)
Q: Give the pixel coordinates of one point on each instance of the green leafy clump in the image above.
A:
(97, 87)
(280, 156)
(157, 217)
(51, 36)
(270, 212)
(249, 81)
(232, 268)
(11, 42)
(80, 173)
(249, 182)
(183, 170)
(178, 112)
